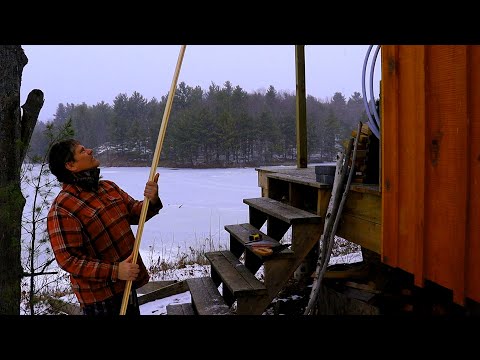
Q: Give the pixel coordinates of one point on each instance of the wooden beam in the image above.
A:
(418, 192)
(301, 106)
(389, 149)
(163, 292)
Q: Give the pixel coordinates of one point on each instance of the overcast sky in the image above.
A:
(95, 73)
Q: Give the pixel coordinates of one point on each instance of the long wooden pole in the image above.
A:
(153, 170)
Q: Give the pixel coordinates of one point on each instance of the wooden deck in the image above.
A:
(361, 217)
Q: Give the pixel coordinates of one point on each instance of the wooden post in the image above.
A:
(301, 106)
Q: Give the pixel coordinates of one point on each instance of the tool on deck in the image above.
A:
(255, 237)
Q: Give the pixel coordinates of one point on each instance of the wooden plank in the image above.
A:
(323, 198)
(263, 182)
(180, 309)
(169, 290)
(364, 206)
(241, 233)
(389, 150)
(447, 201)
(434, 101)
(473, 224)
(205, 297)
(409, 89)
(234, 275)
(154, 285)
(365, 188)
(306, 178)
(418, 191)
(301, 106)
(238, 283)
(360, 231)
(284, 212)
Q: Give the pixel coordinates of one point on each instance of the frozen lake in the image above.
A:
(198, 203)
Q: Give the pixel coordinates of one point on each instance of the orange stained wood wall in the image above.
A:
(430, 133)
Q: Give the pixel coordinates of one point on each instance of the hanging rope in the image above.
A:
(153, 170)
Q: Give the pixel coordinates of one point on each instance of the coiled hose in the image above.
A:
(373, 121)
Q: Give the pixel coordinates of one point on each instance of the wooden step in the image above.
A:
(238, 283)
(279, 217)
(180, 309)
(206, 299)
(286, 213)
(240, 234)
(306, 229)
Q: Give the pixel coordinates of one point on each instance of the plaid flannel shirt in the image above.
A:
(90, 234)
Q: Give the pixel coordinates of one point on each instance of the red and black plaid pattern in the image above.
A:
(90, 234)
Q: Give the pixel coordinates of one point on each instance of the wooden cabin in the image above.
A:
(422, 217)
(431, 165)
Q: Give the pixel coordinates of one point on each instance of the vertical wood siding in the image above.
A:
(431, 164)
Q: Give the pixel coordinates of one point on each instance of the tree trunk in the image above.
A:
(15, 134)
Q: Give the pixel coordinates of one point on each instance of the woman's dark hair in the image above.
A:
(61, 153)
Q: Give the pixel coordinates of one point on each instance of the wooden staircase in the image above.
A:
(232, 279)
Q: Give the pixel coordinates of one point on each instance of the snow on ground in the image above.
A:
(159, 307)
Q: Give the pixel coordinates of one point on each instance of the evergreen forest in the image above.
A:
(219, 127)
